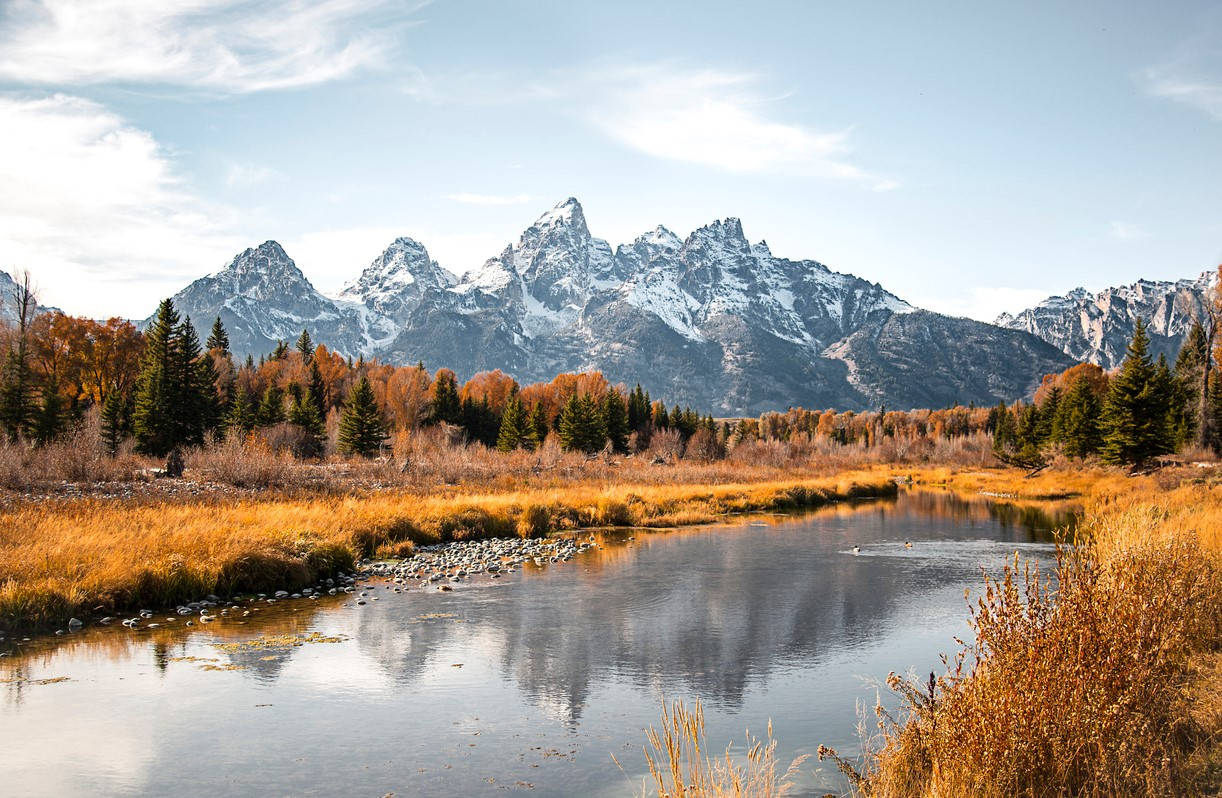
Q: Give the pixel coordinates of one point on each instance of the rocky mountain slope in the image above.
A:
(711, 320)
(1098, 327)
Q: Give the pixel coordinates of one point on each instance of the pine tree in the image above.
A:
(243, 414)
(444, 404)
(1188, 412)
(218, 339)
(271, 407)
(361, 429)
(538, 423)
(317, 389)
(154, 414)
(1078, 420)
(1134, 419)
(1047, 431)
(615, 421)
(516, 431)
(113, 423)
(581, 425)
(305, 345)
(304, 414)
(51, 417)
(16, 379)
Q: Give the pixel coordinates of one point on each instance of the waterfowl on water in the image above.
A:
(857, 549)
(907, 544)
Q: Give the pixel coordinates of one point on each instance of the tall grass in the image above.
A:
(681, 766)
(1102, 681)
(59, 558)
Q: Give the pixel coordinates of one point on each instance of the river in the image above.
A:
(524, 685)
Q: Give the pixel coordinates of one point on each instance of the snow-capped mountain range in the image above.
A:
(712, 320)
(1097, 327)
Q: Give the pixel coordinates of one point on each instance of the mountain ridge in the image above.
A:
(710, 319)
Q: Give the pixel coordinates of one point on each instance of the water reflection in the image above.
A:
(775, 618)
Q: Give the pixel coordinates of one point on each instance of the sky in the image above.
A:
(970, 157)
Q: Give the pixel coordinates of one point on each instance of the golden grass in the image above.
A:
(1104, 681)
(64, 558)
(681, 767)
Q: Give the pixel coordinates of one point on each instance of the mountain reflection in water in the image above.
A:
(535, 679)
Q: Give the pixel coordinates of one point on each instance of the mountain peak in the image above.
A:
(568, 213)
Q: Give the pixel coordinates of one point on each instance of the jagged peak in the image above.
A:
(761, 249)
(729, 229)
(267, 259)
(660, 237)
(568, 213)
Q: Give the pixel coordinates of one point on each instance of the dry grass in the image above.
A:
(681, 767)
(59, 558)
(1104, 681)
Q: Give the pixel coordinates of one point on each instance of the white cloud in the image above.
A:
(718, 119)
(220, 45)
(712, 117)
(1125, 231)
(1193, 76)
(490, 199)
(93, 207)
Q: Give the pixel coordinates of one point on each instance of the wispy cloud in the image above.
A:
(1193, 75)
(245, 175)
(233, 46)
(1125, 231)
(714, 117)
(490, 199)
(93, 206)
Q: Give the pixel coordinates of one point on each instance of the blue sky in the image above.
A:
(970, 157)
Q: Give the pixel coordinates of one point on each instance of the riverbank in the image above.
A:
(1106, 682)
(89, 557)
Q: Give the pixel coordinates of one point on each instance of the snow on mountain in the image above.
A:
(1097, 327)
(710, 320)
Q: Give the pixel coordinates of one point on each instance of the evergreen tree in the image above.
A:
(51, 416)
(538, 423)
(271, 407)
(516, 430)
(305, 345)
(1189, 413)
(480, 421)
(581, 425)
(281, 351)
(304, 414)
(1078, 420)
(317, 390)
(218, 339)
(157, 395)
(16, 392)
(361, 429)
(444, 404)
(1046, 430)
(615, 421)
(1134, 419)
(113, 422)
(243, 414)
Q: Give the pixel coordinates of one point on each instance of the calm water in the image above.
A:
(529, 684)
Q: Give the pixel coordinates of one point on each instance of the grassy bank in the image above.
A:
(85, 557)
(1106, 681)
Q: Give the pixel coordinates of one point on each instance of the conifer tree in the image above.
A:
(305, 345)
(538, 423)
(615, 421)
(1046, 430)
(113, 425)
(50, 418)
(361, 429)
(1078, 420)
(516, 430)
(317, 390)
(1134, 419)
(304, 414)
(1189, 415)
(581, 425)
(218, 339)
(271, 407)
(444, 403)
(157, 395)
(16, 378)
(243, 414)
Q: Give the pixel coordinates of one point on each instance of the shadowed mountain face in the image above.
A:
(711, 320)
(1097, 328)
